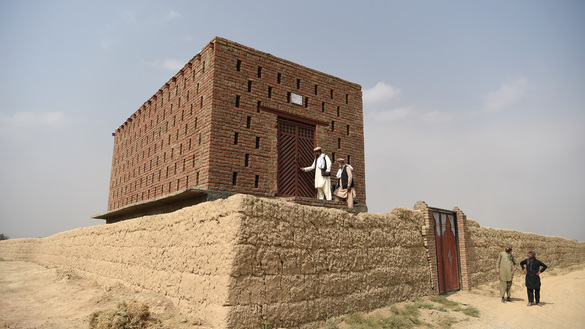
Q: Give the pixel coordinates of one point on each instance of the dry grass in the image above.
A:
(131, 315)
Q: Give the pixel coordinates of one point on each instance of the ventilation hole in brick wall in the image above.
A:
(178, 184)
(332, 126)
(199, 138)
(197, 179)
(316, 89)
(258, 104)
(333, 157)
(186, 128)
(234, 178)
(193, 160)
(184, 163)
(175, 171)
(346, 99)
(179, 102)
(322, 106)
(197, 90)
(257, 142)
(339, 143)
(203, 67)
(278, 78)
(347, 129)
(269, 92)
(164, 156)
(164, 112)
(189, 143)
(248, 122)
(249, 86)
(170, 186)
(174, 120)
(246, 160)
(349, 159)
(169, 142)
(237, 100)
(259, 72)
(238, 65)
(306, 102)
(298, 83)
(195, 126)
(181, 149)
(256, 181)
(201, 102)
(235, 138)
(288, 97)
(338, 111)
(331, 93)
(187, 181)
(167, 176)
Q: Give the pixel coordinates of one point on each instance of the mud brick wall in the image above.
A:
(486, 243)
(241, 261)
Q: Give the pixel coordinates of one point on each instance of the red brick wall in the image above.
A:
(192, 143)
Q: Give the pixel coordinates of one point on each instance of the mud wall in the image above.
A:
(242, 261)
(486, 243)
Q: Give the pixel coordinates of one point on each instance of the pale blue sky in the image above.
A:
(475, 104)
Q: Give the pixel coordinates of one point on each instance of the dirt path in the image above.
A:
(562, 298)
(33, 296)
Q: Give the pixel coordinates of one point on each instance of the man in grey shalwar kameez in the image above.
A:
(505, 267)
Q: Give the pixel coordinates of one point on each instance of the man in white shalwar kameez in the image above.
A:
(322, 167)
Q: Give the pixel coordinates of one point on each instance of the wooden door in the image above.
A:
(296, 141)
(447, 253)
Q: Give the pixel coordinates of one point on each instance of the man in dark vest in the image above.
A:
(345, 188)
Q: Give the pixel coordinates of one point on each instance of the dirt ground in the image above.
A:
(33, 296)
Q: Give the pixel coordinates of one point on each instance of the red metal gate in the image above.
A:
(296, 141)
(447, 253)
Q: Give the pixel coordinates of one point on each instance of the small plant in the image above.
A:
(331, 324)
(266, 324)
(471, 311)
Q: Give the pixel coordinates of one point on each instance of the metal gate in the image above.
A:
(447, 252)
(296, 141)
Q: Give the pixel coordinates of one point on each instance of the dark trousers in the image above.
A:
(532, 294)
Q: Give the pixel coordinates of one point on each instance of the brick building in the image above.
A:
(236, 120)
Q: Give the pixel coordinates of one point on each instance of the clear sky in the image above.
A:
(475, 104)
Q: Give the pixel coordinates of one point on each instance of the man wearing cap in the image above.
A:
(322, 167)
(532, 268)
(345, 186)
(505, 267)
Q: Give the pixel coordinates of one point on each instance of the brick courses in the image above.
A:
(213, 126)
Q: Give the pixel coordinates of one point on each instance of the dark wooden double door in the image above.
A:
(447, 252)
(296, 141)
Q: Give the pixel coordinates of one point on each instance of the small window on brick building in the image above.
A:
(332, 126)
(348, 129)
(203, 67)
(307, 102)
(322, 106)
(333, 157)
(288, 97)
(197, 90)
(256, 181)
(278, 78)
(258, 104)
(316, 89)
(197, 179)
(201, 102)
(249, 122)
(186, 128)
(339, 143)
(237, 100)
(298, 83)
(259, 72)
(269, 92)
(246, 160)
(238, 65)
(349, 159)
(199, 138)
(249, 85)
(257, 142)
(234, 178)
(338, 111)
(235, 138)
(193, 160)
(331, 93)
(346, 99)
